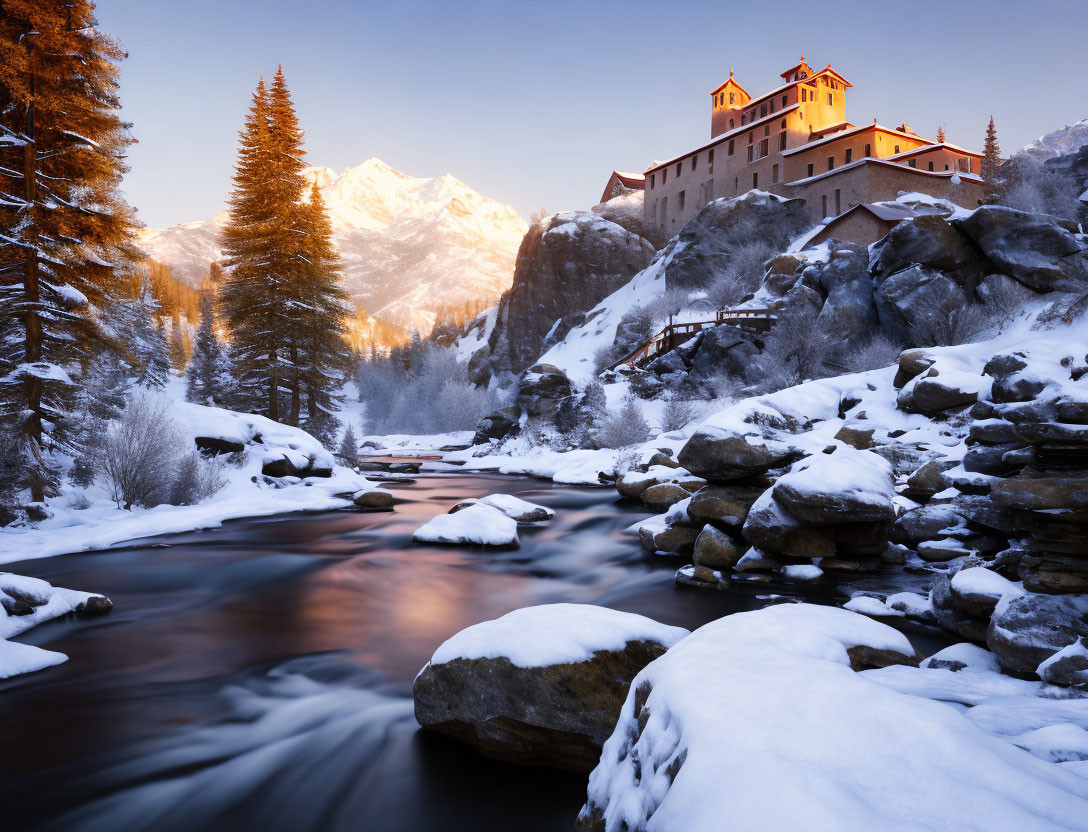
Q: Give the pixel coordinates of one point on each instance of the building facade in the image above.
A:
(795, 141)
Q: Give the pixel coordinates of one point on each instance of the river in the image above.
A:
(258, 676)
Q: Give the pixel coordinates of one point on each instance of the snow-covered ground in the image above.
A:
(87, 518)
(757, 721)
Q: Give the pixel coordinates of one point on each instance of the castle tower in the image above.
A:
(726, 103)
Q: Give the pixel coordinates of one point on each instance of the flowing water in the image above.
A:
(258, 676)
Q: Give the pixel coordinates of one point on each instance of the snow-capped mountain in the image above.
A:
(410, 246)
(1059, 142)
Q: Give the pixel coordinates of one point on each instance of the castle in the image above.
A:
(795, 141)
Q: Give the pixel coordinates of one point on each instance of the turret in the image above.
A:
(725, 106)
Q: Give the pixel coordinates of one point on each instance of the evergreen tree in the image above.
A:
(253, 294)
(940, 134)
(323, 355)
(991, 154)
(101, 399)
(156, 369)
(178, 357)
(147, 340)
(66, 231)
(202, 377)
(349, 448)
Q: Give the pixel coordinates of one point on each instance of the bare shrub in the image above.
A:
(743, 273)
(626, 461)
(196, 479)
(625, 427)
(879, 351)
(139, 452)
(146, 461)
(1035, 188)
(796, 350)
(952, 324)
(677, 414)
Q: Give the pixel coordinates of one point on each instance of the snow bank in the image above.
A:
(45, 602)
(90, 520)
(481, 525)
(756, 722)
(554, 634)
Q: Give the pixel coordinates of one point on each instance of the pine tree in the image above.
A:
(252, 297)
(940, 134)
(156, 369)
(202, 377)
(178, 358)
(349, 448)
(101, 398)
(323, 356)
(991, 154)
(66, 229)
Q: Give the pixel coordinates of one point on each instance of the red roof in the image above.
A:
(728, 81)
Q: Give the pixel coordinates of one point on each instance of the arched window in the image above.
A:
(730, 124)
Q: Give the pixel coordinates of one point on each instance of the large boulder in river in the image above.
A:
(916, 301)
(846, 486)
(541, 685)
(568, 263)
(541, 388)
(723, 455)
(706, 245)
(1033, 248)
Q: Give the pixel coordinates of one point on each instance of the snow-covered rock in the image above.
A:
(776, 758)
(541, 685)
(513, 507)
(482, 525)
(845, 486)
(26, 602)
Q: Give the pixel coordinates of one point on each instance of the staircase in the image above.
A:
(675, 334)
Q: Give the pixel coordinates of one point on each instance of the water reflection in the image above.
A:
(259, 675)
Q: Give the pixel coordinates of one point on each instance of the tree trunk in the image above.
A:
(296, 400)
(273, 390)
(32, 293)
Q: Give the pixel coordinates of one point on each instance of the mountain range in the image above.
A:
(410, 246)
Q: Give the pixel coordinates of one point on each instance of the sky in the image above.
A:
(534, 104)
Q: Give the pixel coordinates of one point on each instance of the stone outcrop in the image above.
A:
(722, 455)
(497, 425)
(541, 388)
(567, 263)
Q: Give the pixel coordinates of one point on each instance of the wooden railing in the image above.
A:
(675, 334)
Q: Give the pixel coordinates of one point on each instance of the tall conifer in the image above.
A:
(66, 229)
(991, 154)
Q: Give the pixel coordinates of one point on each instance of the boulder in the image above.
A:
(1068, 667)
(912, 363)
(659, 498)
(374, 498)
(846, 486)
(977, 590)
(705, 246)
(951, 618)
(928, 241)
(715, 549)
(633, 483)
(724, 350)
(942, 550)
(915, 302)
(718, 454)
(1042, 490)
(1033, 248)
(541, 388)
(849, 311)
(925, 523)
(521, 511)
(929, 479)
(284, 466)
(1005, 364)
(773, 530)
(541, 685)
(216, 445)
(671, 540)
(497, 425)
(723, 505)
(477, 525)
(1025, 630)
(938, 390)
(855, 436)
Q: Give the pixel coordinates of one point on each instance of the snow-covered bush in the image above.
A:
(635, 328)
(1033, 187)
(742, 274)
(145, 460)
(951, 325)
(797, 350)
(625, 427)
(196, 479)
(677, 414)
(879, 351)
(420, 389)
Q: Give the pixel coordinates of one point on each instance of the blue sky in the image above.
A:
(534, 103)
